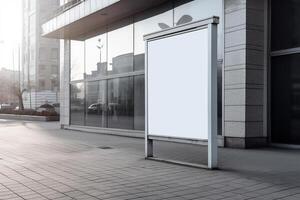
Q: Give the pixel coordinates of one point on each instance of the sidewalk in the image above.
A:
(40, 161)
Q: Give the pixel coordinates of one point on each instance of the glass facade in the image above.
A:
(96, 57)
(107, 71)
(186, 11)
(77, 104)
(145, 24)
(139, 102)
(286, 99)
(77, 60)
(285, 72)
(285, 24)
(120, 49)
(120, 103)
(96, 103)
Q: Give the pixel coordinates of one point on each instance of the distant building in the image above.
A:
(9, 77)
(40, 56)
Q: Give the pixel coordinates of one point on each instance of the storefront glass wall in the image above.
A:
(77, 61)
(96, 57)
(112, 70)
(77, 103)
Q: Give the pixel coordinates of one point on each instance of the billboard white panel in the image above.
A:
(178, 87)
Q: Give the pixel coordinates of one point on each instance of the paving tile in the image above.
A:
(40, 161)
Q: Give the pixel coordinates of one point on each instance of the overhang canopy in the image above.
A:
(78, 22)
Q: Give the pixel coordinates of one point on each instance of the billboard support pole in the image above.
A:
(148, 142)
(212, 96)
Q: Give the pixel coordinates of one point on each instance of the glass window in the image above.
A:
(139, 102)
(220, 79)
(32, 5)
(120, 50)
(285, 99)
(146, 23)
(96, 56)
(77, 104)
(32, 49)
(54, 85)
(96, 104)
(42, 84)
(77, 60)
(43, 53)
(186, 11)
(54, 53)
(42, 67)
(120, 103)
(192, 10)
(54, 69)
(285, 24)
(32, 23)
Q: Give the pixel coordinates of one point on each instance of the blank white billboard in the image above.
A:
(178, 86)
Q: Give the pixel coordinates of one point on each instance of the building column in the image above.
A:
(244, 73)
(64, 83)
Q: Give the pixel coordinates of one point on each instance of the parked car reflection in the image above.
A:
(96, 108)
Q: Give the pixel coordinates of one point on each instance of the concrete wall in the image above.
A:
(244, 72)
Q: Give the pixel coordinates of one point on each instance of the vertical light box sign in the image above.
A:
(177, 90)
(180, 93)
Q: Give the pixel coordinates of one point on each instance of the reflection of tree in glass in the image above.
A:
(183, 20)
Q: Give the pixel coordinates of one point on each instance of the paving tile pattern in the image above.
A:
(40, 161)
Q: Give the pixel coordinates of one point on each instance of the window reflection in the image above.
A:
(186, 11)
(77, 60)
(96, 103)
(285, 95)
(120, 50)
(139, 102)
(145, 24)
(77, 103)
(120, 103)
(285, 24)
(96, 57)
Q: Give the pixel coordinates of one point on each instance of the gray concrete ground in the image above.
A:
(40, 161)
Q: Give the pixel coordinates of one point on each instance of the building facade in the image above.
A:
(40, 56)
(11, 78)
(102, 65)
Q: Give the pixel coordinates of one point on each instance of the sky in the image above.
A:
(10, 31)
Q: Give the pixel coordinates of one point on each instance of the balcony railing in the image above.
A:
(73, 11)
(67, 6)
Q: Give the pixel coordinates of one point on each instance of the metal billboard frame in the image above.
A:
(211, 25)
